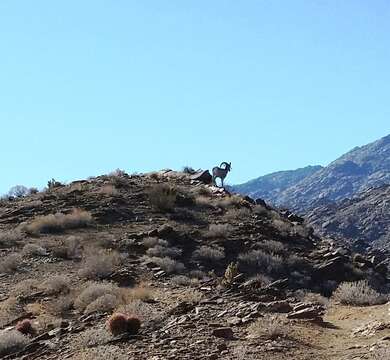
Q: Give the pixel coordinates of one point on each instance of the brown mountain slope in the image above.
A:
(210, 275)
(364, 220)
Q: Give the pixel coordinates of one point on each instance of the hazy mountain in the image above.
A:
(361, 168)
(303, 189)
(268, 187)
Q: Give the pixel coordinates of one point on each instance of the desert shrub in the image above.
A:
(33, 250)
(33, 190)
(270, 327)
(68, 248)
(100, 266)
(10, 263)
(302, 230)
(57, 284)
(218, 231)
(140, 292)
(272, 246)
(11, 342)
(282, 226)
(104, 303)
(262, 211)
(262, 280)
(204, 201)
(310, 297)
(358, 293)
(188, 170)
(162, 197)
(118, 179)
(181, 280)
(52, 184)
(168, 265)
(150, 242)
(197, 274)
(109, 190)
(209, 254)
(231, 201)
(261, 261)
(26, 287)
(60, 306)
(18, 191)
(93, 291)
(146, 312)
(10, 238)
(190, 296)
(162, 251)
(238, 214)
(118, 172)
(9, 310)
(295, 262)
(59, 222)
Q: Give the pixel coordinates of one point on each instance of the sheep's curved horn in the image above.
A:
(223, 163)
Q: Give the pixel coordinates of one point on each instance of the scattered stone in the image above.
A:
(225, 333)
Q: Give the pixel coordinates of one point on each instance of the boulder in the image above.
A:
(203, 176)
(225, 333)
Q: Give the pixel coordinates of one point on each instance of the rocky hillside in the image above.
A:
(269, 187)
(361, 168)
(162, 266)
(363, 221)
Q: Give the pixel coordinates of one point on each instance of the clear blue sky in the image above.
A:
(90, 86)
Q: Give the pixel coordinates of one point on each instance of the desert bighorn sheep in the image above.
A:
(220, 172)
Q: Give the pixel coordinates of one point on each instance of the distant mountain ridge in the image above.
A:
(361, 168)
(270, 186)
(363, 221)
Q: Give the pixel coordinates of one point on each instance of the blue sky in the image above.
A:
(90, 86)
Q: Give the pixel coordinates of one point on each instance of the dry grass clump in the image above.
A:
(358, 293)
(10, 238)
(100, 266)
(272, 246)
(282, 226)
(109, 190)
(60, 306)
(69, 248)
(56, 285)
(230, 201)
(203, 201)
(162, 251)
(182, 280)
(168, 265)
(262, 211)
(218, 231)
(9, 310)
(59, 222)
(261, 261)
(310, 297)
(98, 296)
(33, 250)
(238, 214)
(11, 342)
(209, 254)
(26, 287)
(270, 327)
(162, 197)
(10, 263)
(150, 242)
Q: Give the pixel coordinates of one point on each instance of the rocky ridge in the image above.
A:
(213, 263)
